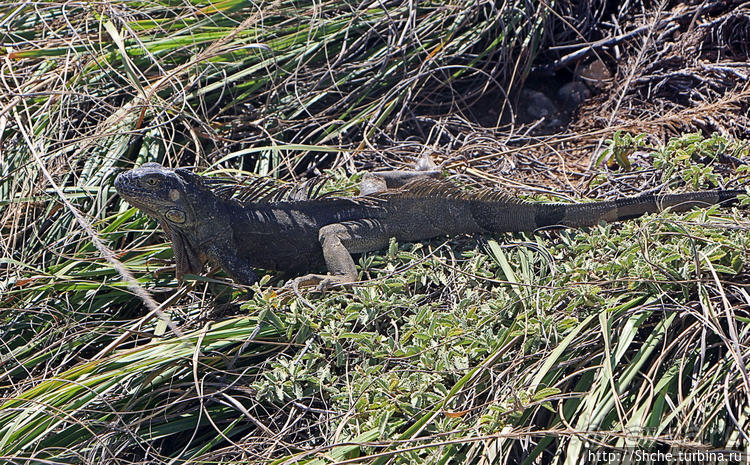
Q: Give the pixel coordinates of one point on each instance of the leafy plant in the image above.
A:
(620, 147)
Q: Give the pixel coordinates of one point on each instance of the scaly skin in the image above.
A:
(304, 235)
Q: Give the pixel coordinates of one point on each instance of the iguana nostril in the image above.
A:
(119, 180)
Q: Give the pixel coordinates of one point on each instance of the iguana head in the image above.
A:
(160, 192)
(173, 197)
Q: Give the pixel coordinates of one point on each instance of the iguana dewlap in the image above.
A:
(303, 235)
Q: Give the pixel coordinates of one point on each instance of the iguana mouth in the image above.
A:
(135, 195)
(127, 190)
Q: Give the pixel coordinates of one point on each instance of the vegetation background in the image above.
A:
(527, 348)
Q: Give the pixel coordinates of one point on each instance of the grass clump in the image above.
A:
(193, 79)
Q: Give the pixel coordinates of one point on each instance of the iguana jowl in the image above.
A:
(303, 235)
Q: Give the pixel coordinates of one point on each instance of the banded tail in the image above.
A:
(591, 214)
(531, 216)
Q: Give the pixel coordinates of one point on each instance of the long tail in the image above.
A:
(528, 216)
(590, 214)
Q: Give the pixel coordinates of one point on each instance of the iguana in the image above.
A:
(205, 223)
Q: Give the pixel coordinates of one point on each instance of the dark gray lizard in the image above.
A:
(299, 236)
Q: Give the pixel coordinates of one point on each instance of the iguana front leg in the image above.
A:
(339, 242)
(236, 268)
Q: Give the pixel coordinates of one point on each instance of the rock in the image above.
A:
(573, 94)
(535, 105)
(595, 74)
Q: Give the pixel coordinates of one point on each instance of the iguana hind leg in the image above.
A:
(339, 242)
(373, 183)
(380, 181)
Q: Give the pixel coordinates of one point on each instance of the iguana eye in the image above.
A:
(152, 181)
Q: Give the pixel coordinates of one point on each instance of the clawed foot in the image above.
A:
(321, 282)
